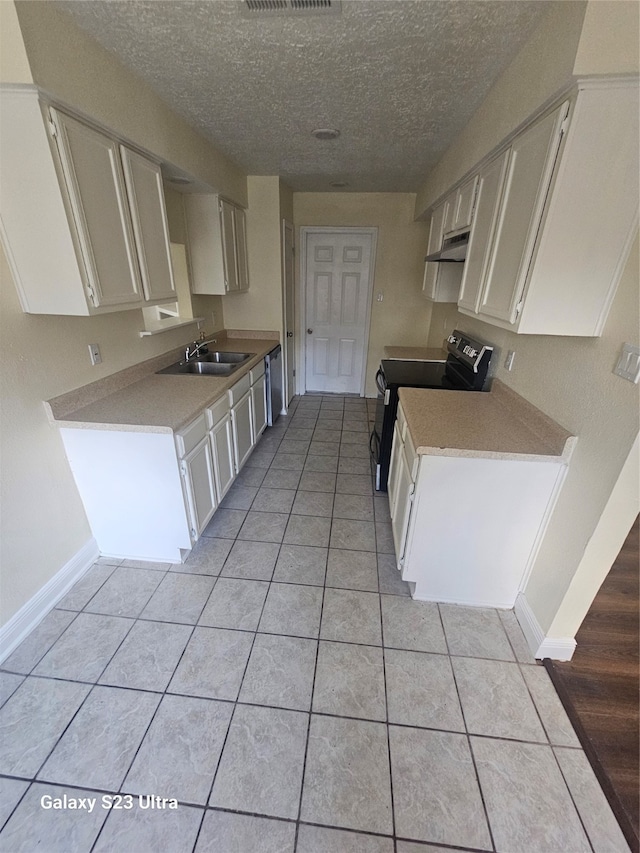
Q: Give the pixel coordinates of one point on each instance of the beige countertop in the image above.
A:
(416, 353)
(499, 424)
(139, 400)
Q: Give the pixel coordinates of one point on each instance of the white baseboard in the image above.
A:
(556, 648)
(34, 611)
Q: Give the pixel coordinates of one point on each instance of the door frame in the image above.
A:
(306, 230)
(288, 393)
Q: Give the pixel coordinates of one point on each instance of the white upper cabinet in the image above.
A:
(441, 282)
(555, 217)
(216, 236)
(148, 214)
(459, 207)
(81, 236)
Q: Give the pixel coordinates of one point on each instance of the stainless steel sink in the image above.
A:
(210, 364)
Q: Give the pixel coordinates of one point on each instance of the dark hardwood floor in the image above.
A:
(599, 687)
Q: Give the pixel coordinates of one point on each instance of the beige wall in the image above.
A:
(609, 43)
(602, 549)
(14, 65)
(73, 67)
(541, 69)
(261, 307)
(403, 317)
(286, 202)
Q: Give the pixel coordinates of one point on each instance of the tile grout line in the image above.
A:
(468, 739)
(572, 798)
(388, 732)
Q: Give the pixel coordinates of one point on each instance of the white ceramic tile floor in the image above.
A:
(285, 690)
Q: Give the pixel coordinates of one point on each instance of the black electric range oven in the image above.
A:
(465, 369)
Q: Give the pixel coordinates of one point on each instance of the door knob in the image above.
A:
(289, 334)
(309, 331)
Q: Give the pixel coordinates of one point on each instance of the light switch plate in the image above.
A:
(628, 365)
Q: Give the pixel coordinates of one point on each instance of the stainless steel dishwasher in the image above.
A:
(273, 373)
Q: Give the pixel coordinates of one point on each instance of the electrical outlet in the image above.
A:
(94, 352)
(508, 362)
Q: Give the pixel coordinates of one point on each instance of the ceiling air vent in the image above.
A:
(290, 8)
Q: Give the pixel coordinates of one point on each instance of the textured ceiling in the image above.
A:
(399, 78)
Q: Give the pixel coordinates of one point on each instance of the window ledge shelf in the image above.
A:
(168, 325)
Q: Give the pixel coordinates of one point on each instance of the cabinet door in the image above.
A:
(222, 446)
(531, 160)
(459, 207)
(197, 470)
(441, 281)
(204, 240)
(149, 217)
(400, 518)
(242, 258)
(431, 270)
(229, 260)
(259, 407)
(465, 199)
(93, 177)
(490, 182)
(397, 449)
(242, 430)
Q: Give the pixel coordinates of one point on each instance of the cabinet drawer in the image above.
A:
(239, 390)
(189, 437)
(256, 372)
(218, 410)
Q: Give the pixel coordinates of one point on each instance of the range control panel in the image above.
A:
(467, 350)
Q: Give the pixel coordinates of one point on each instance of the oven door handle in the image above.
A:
(380, 383)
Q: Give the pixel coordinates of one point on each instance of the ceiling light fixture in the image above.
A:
(178, 180)
(325, 133)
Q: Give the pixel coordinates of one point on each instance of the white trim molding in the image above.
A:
(556, 648)
(34, 611)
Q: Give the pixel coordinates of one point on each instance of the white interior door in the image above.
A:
(288, 302)
(338, 280)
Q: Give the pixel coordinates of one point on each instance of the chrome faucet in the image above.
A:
(197, 346)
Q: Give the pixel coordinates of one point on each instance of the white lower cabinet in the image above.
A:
(197, 471)
(401, 490)
(258, 403)
(221, 437)
(241, 422)
(466, 528)
(149, 495)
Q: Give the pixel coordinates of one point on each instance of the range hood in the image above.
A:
(453, 251)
